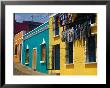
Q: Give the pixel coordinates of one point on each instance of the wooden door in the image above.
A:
(57, 57)
(34, 59)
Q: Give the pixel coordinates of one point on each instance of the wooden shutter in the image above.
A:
(43, 52)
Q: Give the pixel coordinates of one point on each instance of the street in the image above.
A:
(19, 69)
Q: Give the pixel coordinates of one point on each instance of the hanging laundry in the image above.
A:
(85, 29)
(63, 36)
(75, 33)
(81, 27)
(89, 29)
(72, 30)
(67, 20)
(70, 19)
(72, 35)
(63, 16)
(60, 19)
(79, 31)
(67, 27)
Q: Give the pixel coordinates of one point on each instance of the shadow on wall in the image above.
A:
(93, 65)
(69, 66)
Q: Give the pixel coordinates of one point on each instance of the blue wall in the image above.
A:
(34, 42)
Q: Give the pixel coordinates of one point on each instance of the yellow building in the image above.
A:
(18, 46)
(78, 56)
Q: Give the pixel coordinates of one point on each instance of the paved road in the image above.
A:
(19, 69)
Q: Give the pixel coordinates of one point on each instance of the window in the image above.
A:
(56, 25)
(69, 53)
(16, 49)
(91, 49)
(93, 18)
(43, 50)
(27, 56)
(56, 32)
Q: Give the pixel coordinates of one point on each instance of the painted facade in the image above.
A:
(18, 46)
(35, 51)
(81, 63)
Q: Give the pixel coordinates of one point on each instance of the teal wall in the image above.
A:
(34, 42)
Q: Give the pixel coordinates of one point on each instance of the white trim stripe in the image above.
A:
(36, 32)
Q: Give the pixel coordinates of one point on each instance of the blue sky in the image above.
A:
(37, 17)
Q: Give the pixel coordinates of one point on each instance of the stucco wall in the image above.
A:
(34, 42)
(79, 66)
(17, 41)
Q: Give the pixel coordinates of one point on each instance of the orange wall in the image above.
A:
(17, 41)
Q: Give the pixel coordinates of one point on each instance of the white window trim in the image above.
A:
(43, 42)
(56, 36)
(27, 48)
(54, 33)
(93, 25)
(91, 63)
(42, 62)
(26, 63)
(94, 33)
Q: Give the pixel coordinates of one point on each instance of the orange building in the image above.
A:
(18, 46)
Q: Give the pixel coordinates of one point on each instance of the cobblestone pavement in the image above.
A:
(19, 69)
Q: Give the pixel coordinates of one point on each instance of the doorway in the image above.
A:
(91, 49)
(56, 57)
(34, 58)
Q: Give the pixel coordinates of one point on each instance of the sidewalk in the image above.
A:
(19, 69)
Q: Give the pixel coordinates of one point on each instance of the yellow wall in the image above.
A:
(79, 67)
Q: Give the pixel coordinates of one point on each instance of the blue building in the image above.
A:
(35, 51)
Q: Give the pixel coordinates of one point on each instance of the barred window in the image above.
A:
(69, 53)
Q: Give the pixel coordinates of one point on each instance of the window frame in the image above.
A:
(54, 57)
(56, 28)
(27, 63)
(43, 45)
(86, 53)
(67, 62)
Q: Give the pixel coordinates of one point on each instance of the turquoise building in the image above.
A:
(35, 48)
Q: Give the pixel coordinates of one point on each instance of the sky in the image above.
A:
(37, 17)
